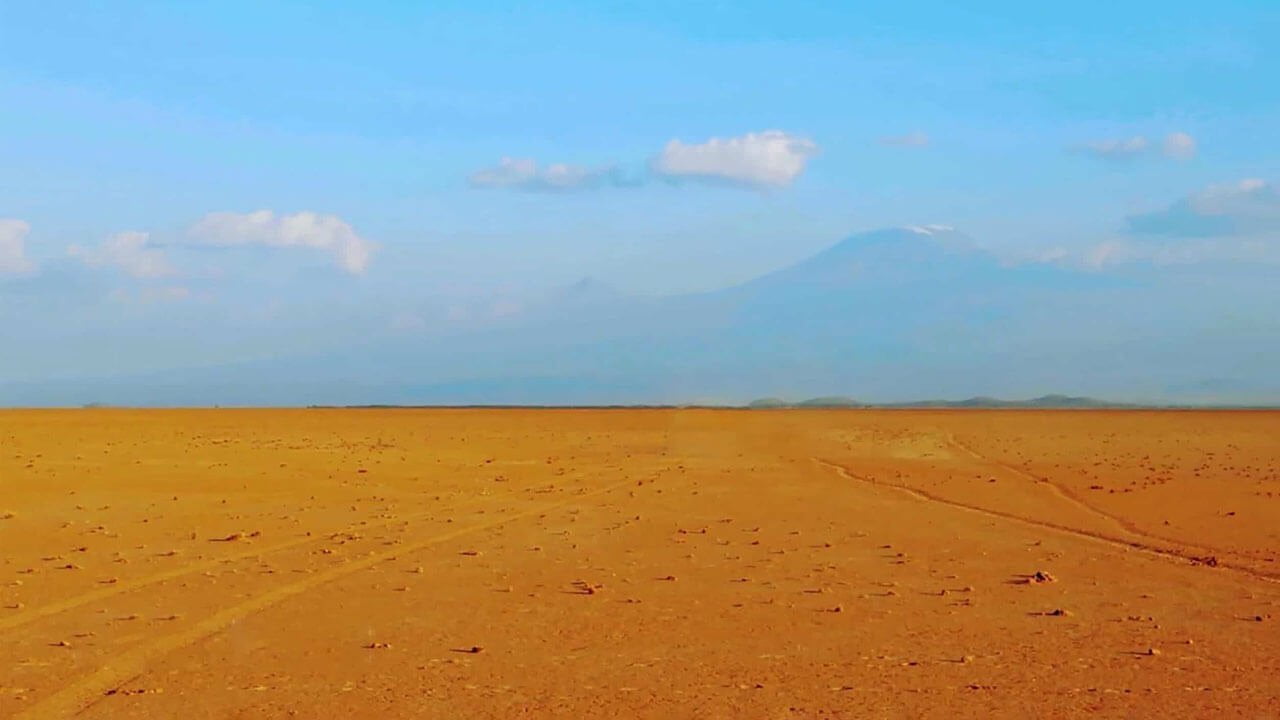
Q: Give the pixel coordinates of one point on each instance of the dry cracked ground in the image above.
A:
(649, 564)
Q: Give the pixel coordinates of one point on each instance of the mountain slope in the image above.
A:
(891, 315)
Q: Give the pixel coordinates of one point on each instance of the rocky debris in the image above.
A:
(582, 587)
(1040, 577)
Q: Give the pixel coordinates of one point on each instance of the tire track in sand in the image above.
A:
(124, 586)
(1071, 497)
(1119, 542)
(1063, 494)
(29, 616)
(83, 693)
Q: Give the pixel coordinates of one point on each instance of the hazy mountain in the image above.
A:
(887, 316)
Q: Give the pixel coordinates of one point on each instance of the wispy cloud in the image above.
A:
(150, 295)
(1182, 251)
(1180, 146)
(767, 159)
(1247, 207)
(1115, 149)
(13, 247)
(1177, 145)
(772, 158)
(527, 175)
(910, 140)
(128, 251)
(304, 230)
(1236, 222)
(1119, 252)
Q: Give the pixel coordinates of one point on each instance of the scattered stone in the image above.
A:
(582, 587)
(139, 691)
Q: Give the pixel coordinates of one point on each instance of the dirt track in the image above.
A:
(404, 563)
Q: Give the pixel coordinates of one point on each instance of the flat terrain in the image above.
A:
(650, 564)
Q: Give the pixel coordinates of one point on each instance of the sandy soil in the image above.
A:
(652, 564)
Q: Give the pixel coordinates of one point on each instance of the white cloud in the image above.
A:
(505, 308)
(1177, 145)
(327, 233)
(1180, 146)
(772, 158)
(1246, 207)
(129, 251)
(13, 247)
(1049, 255)
(407, 322)
(1236, 222)
(1106, 253)
(526, 174)
(151, 295)
(911, 139)
(1116, 149)
(1183, 251)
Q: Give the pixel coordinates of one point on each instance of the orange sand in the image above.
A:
(654, 564)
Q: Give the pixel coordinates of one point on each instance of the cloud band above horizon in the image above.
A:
(756, 160)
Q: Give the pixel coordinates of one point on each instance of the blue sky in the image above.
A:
(168, 163)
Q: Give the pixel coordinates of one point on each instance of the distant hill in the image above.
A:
(766, 403)
(1054, 402)
(834, 401)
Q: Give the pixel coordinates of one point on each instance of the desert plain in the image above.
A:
(474, 563)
